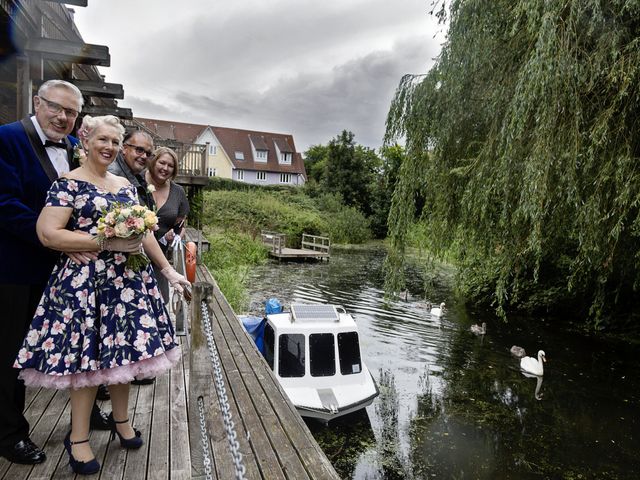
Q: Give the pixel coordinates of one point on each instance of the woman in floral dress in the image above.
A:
(99, 322)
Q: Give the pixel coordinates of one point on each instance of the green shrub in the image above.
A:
(229, 258)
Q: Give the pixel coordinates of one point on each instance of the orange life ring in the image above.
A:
(190, 261)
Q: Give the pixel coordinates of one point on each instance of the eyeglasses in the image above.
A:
(139, 150)
(56, 108)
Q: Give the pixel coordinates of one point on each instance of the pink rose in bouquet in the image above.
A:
(124, 221)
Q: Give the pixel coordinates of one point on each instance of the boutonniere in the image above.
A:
(151, 188)
(78, 154)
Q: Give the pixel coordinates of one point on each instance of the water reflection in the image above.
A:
(457, 405)
(344, 440)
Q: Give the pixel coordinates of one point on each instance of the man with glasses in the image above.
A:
(131, 162)
(34, 152)
(137, 147)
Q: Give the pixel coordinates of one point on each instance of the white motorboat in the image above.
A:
(314, 351)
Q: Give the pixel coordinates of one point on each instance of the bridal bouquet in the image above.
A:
(124, 221)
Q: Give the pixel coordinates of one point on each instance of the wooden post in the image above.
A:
(205, 171)
(200, 378)
(23, 87)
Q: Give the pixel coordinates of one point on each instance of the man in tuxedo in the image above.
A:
(34, 152)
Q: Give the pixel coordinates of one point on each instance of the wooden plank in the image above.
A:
(57, 458)
(252, 439)
(158, 463)
(99, 89)
(285, 452)
(31, 394)
(111, 455)
(41, 429)
(102, 110)
(136, 466)
(79, 3)
(68, 51)
(314, 459)
(180, 454)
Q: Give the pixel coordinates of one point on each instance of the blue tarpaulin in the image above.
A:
(255, 327)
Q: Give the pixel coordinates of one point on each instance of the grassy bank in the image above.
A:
(232, 221)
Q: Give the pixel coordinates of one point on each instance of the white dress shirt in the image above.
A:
(58, 156)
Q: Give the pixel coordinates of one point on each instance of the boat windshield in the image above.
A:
(349, 350)
(291, 355)
(322, 355)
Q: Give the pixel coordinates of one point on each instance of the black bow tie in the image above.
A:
(49, 143)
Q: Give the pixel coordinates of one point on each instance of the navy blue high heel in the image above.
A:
(81, 468)
(128, 443)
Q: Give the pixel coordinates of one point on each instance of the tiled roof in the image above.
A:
(181, 132)
(258, 142)
(283, 145)
(234, 140)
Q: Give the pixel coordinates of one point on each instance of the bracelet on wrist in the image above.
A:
(100, 241)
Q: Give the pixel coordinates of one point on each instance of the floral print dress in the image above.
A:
(100, 323)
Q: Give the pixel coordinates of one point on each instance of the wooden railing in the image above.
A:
(277, 241)
(316, 243)
(192, 158)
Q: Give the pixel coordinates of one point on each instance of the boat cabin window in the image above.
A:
(349, 352)
(269, 342)
(322, 355)
(291, 355)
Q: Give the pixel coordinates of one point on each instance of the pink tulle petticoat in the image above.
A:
(124, 374)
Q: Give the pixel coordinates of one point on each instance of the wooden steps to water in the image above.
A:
(274, 441)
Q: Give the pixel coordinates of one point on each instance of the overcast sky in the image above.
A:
(307, 67)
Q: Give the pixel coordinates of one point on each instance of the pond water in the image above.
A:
(453, 405)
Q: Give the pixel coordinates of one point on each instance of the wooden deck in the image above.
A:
(274, 441)
(313, 247)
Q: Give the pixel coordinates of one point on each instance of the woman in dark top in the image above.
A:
(171, 201)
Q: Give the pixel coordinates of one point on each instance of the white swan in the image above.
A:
(437, 311)
(479, 330)
(533, 366)
(518, 352)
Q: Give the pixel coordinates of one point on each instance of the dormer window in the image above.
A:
(261, 155)
(239, 155)
(285, 157)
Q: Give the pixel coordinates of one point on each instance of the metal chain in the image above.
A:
(229, 426)
(205, 440)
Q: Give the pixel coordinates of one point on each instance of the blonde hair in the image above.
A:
(89, 124)
(164, 151)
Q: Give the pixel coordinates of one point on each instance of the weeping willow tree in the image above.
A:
(522, 146)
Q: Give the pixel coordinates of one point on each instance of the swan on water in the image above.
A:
(533, 366)
(479, 330)
(437, 311)
(518, 352)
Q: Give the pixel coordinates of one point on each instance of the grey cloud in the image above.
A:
(313, 107)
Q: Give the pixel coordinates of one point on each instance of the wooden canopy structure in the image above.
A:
(39, 41)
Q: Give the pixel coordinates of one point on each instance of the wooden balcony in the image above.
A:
(192, 162)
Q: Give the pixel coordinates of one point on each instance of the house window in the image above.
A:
(212, 172)
(261, 155)
(285, 178)
(261, 176)
(240, 175)
(212, 149)
(285, 157)
(239, 156)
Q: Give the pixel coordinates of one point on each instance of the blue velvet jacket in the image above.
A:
(26, 173)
